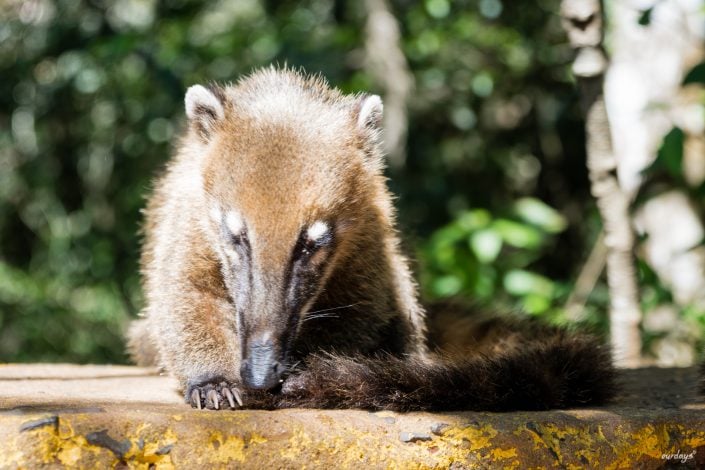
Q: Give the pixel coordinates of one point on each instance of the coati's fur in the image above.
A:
(274, 278)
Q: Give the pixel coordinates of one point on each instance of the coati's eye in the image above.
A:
(238, 239)
(308, 248)
(304, 249)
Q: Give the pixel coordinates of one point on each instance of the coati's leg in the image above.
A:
(196, 337)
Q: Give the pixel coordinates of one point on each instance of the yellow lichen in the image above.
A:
(256, 439)
(634, 444)
(476, 437)
(577, 443)
(298, 441)
(59, 444)
(502, 454)
(226, 449)
(144, 451)
(69, 455)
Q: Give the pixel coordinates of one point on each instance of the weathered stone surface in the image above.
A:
(103, 416)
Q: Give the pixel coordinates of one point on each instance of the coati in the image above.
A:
(274, 277)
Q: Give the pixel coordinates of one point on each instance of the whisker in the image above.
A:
(320, 315)
(333, 308)
(325, 313)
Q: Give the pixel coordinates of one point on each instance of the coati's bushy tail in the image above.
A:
(563, 370)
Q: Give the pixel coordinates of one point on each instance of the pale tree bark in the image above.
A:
(645, 100)
(387, 63)
(582, 20)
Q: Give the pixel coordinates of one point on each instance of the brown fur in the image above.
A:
(283, 151)
(562, 370)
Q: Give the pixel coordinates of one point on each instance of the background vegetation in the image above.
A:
(493, 196)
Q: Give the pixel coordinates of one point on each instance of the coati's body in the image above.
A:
(271, 256)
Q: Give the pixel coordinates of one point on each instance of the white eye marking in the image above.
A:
(317, 230)
(234, 222)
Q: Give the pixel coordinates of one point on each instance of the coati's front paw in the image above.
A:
(214, 395)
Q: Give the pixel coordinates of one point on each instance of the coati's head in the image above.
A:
(292, 188)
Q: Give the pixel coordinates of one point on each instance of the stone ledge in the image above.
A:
(100, 416)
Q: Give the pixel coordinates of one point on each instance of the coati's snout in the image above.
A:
(273, 273)
(261, 368)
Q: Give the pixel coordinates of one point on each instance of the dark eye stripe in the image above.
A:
(239, 238)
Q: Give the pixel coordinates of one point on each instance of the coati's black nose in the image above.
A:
(260, 369)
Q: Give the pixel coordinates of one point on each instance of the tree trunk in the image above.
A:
(386, 62)
(582, 20)
(642, 111)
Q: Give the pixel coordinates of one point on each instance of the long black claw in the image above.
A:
(229, 395)
(196, 398)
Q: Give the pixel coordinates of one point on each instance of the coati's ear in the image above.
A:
(369, 112)
(204, 108)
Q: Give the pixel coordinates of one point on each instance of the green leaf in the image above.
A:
(540, 214)
(645, 17)
(696, 74)
(438, 8)
(444, 256)
(518, 234)
(521, 283)
(447, 286)
(486, 244)
(670, 155)
(536, 304)
(474, 220)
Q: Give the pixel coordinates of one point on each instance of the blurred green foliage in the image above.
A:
(91, 101)
(483, 256)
